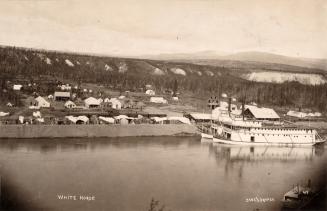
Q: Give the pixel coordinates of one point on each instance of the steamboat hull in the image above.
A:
(231, 142)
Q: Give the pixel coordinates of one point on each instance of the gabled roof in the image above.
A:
(263, 113)
(92, 101)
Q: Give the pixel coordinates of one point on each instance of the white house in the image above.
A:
(92, 102)
(158, 100)
(115, 103)
(17, 87)
(150, 92)
(42, 103)
(70, 104)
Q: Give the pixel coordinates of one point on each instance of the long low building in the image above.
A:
(199, 117)
(62, 96)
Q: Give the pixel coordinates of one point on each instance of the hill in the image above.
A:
(250, 60)
(49, 68)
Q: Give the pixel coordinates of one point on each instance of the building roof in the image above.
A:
(107, 119)
(200, 116)
(92, 101)
(263, 113)
(62, 94)
(296, 114)
(181, 119)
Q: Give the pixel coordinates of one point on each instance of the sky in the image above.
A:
(148, 27)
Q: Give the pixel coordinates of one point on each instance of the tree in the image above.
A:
(175, 88)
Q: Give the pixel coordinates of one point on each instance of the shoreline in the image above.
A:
(95, 131)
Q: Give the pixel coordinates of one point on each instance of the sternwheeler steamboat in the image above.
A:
(241, 130)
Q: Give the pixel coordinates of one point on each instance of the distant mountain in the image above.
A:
(187, 56)
(251, 59)
(278, 59)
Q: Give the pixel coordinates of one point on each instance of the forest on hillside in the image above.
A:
(46, 67)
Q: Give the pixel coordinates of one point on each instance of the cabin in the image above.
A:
(256, 113)
(92, 102)
(62, 96)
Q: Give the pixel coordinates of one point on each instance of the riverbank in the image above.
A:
(95, 131)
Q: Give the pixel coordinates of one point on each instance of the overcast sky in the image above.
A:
(136, 27)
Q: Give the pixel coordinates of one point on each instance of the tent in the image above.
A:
(158, 100)
(41, 102)
(78, 120)
(37, 114)
(296, 114)
(107, 120)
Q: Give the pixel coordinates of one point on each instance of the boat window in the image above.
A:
(252, 138)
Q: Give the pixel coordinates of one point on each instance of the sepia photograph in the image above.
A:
(163, 105)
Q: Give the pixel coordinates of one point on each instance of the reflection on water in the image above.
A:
(265, 153)
(126, 173)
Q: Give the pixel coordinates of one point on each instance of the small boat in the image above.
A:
(206, 132)
(206, 136)
(299, 197)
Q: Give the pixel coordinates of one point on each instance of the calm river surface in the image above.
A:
(182, 173)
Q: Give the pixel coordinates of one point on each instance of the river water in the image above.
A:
(181, 173)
